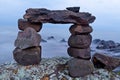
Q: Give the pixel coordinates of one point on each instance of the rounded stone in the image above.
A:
(79, 53)
(80, 41)
(79, 29)
(23, 24)
(80, 67)
(30, 56)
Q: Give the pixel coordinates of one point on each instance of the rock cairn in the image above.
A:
(27, 43)
(28, 50)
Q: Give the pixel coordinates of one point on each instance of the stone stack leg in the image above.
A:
(28, 49)
(79, 43)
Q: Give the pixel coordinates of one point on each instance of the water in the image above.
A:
(52, 47)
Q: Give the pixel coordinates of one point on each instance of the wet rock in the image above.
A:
(50, 37)
(106, 44)
(74, 9)
(43, 15)
(78, 29)
(80, 41)
(105, 61)
(79, 67)
(96, 41)
(79, 53)
(27, 38)
(30, 56)
(23, 24)
(63, 40)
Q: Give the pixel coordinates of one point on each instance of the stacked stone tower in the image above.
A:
(28, 51)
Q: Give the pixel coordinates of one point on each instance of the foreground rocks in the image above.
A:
(105, 61)
(47, 69)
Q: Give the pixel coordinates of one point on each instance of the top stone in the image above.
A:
(43, 15)
(74, 9)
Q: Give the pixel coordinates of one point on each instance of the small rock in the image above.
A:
(45, 77)
(79, 53)
(105, 61)
(78, 29)
(28, 38)
(42, 40)
(79, 67)
(29, 56)
(74, 9)
(51, 37)
(80, 41)
(23, 24)
(63, 40)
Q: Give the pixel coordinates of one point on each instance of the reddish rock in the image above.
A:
(23, 24)
(27, 38)
(78, 29)
(79, 53)
(79, 67)
(105, 61)
(30, 56)
(43, 15)
(80, 41)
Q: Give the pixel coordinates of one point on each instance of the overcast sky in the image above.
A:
(106, 12)
(11, 10)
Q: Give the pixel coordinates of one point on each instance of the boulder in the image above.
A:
(78, 29)
(23, 24)
(80, 67)
(79, 53)
(80, 41)
(74, 9)
(43, 15)
(29, 56)
(27, 38)
(105, 61)
(106, 44)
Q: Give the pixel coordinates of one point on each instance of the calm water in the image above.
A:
(52, 47)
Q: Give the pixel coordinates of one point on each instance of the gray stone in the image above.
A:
(79, 29)
(79, 67)
(79, 53)
(74, 9)
(43, 15)
(27, 38)
(80, 41)
(29, 56)
(23, 24)
(105, 61)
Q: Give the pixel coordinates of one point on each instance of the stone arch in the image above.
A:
(28, 50)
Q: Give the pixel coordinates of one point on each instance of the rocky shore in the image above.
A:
(50, 69)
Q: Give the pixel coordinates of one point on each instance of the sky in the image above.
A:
(106, 25)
